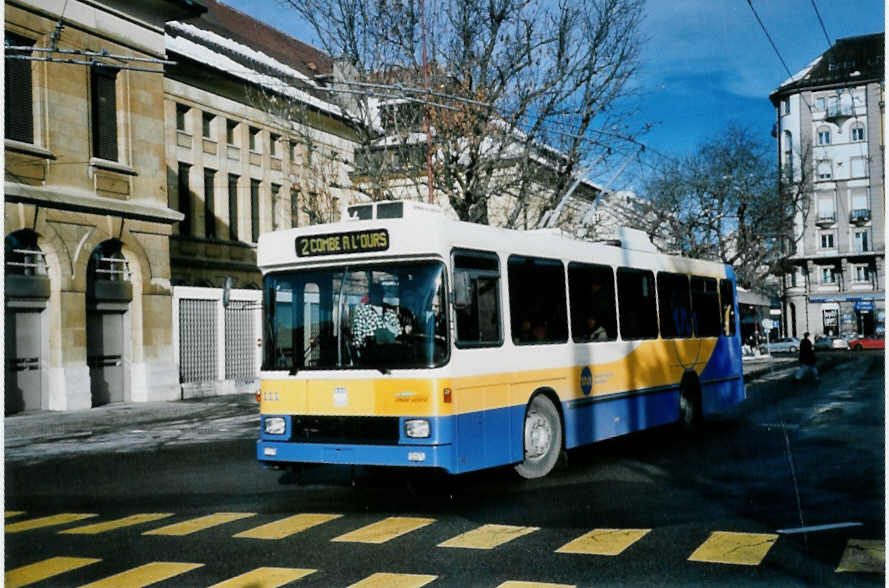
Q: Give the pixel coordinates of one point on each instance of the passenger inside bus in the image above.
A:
(372, 321)
(594, 330)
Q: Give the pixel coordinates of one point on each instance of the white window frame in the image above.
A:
(828, 276)
(823, 135)
(867, 238)
(856, 133)
(824, 164)
(825, 236)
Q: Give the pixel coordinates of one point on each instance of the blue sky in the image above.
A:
(705, 62)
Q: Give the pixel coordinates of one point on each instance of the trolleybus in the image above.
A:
(400, 337)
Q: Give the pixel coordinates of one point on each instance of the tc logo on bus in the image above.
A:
(586, 381)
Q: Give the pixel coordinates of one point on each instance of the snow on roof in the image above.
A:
(801, 73)
(199, 44)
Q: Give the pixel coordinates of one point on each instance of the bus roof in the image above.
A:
(413, 230)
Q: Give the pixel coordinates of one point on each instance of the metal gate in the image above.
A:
(197, 341)
(240, 346)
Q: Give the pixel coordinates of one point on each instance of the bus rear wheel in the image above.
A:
(542, 438)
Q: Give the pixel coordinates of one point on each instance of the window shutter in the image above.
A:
(18, 109)
(104, 113)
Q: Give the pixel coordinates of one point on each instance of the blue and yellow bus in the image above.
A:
(400, 337)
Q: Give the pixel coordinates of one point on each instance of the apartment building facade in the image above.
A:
(87, 227)
(830, 133)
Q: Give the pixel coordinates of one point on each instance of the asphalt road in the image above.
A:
(679, 511)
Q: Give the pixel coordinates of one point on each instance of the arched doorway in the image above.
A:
(108, 296)
(27, 292)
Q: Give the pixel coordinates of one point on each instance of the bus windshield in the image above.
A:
(380, 316)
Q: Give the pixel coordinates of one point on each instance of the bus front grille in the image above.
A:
(345, 429)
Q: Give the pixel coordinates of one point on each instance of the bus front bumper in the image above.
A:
(277, 453)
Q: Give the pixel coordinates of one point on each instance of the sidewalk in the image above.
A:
(121, 427)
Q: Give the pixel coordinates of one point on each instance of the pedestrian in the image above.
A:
(807, 367)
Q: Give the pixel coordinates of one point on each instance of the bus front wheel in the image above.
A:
(542, 438)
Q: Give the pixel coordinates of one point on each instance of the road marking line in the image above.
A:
(384, 530)
(8, 514)
(47, 568)
(287, 527)
(199, 524)
(604, 541)
(863, 555)
(746, 549)
(265, 578)
(59, 519)
(518, 584)
(136, 519)
(487, 536)
(150, 573)
(384, 580)
(816, 528)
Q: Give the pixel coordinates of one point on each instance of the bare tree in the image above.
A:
(517, 94)
(726, 202)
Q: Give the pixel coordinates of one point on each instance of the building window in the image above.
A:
(103, 83)
(862, 273)
(254, 139)
(858, 132)
(862, 240)
(207, 125)
(294, 153)
(827, 241)
(827, 275)
(785, 105)
(181, 118)
(209, 204)
(294, 208)
(18, 104)
(819, 103)
(827, 211)
(184, 199)
(276, 196)
(858, 167)
(273, 144)
(824, 136)
(230, 135)
(254, 210)
(860, 210)
(233, 207)
(825, 169)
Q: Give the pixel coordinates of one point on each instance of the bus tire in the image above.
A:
(690, 415)
(542, 438)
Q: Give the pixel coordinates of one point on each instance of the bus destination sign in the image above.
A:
(343, 243)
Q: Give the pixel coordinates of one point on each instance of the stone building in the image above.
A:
(830, 126)
(87, 226)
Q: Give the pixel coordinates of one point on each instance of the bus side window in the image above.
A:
(637, 308)
(727, 311)
(675, 305)
(705, 302)
(593, 312)
(478, 316)
(537, 305)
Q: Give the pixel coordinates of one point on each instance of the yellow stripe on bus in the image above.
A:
(129, 521)
(42, 570)
(50, 521)
(286, 527)
(488, 537)
(384, 580)
(265, 578)
(604, 541)
(199, 524)
(146, 575)
(384, 530)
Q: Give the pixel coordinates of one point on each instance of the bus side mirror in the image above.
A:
(462, 290)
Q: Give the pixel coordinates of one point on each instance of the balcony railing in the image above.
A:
(859, 215)
(838, 110)
(826, 219)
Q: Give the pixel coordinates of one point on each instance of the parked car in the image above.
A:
(784, 344)
(826, 342)
(869, 342)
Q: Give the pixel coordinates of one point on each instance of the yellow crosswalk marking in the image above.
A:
(129, 521)
(150, 573)
(604, 541)
(746, 549)
(265, 578)
(516, 584)
(199, 524)
(863, 555)
(384, 530)
(59, 519)
(287, 527)
(42, 570)
(8, 514)
(382, 580)
(487, 536)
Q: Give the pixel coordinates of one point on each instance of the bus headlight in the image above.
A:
(275, 425)
(416, 428)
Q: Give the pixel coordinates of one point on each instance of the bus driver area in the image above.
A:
(407, 338)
